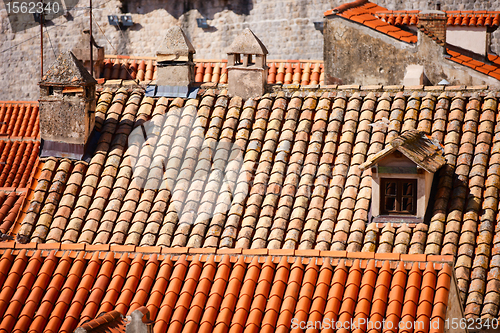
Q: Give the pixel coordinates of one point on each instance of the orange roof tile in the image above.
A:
(365, 12)
(206, 71)
(460, 18)
(19, 119)
(291, 145)
(223, 293)
(492, 68)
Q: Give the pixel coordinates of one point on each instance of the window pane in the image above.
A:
(407, 204)
(408, 188)
(390, 204)
(390, 188)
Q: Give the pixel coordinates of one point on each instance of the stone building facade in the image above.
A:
(357, 54)
(286, 27)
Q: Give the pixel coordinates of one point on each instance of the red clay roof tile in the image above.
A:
(458, 115)
(191, 293)
(205, 70)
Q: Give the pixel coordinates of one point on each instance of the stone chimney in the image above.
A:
(433, 24)
(246, 66)
(175, 60)
(67, 106)
(82, 52)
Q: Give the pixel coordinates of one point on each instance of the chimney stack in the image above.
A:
(433, 24)
(82, 52)
(246, 66)
(174, 60)
(67, 106)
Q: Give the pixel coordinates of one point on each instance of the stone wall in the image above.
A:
(285, 26)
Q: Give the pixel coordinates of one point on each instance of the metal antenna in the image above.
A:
(41, 41)
(91, 49)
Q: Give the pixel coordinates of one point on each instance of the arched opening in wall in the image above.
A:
(244, 60)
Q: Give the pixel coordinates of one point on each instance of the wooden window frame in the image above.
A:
(398, 196)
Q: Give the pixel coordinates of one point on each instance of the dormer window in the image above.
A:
(398, 196)
(402, 176)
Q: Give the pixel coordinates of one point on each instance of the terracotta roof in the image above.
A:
(302, 72)
(390, 23)
(19, 119)
(49, 290)
(364, 12)
(17, 161)
(470, 18)
(19, 147)
(10, 206)
(490, 67)
(416, 146)
(288, 195)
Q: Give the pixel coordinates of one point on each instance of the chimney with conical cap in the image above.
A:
(174, 59)
(247, 69)
(67, 108)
